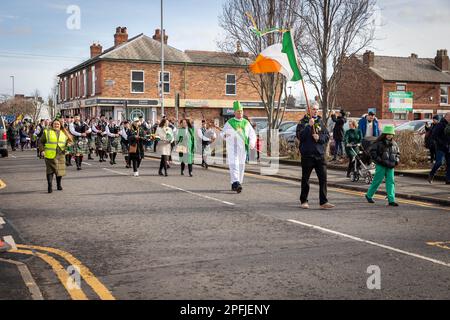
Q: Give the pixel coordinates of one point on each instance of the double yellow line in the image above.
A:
(75, 293)
(2, 184)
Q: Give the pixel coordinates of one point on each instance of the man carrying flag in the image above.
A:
(240, 138)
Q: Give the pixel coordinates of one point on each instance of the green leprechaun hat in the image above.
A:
(389, 130)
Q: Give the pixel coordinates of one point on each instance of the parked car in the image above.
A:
(417, 126)
(283, 127)
(3, 138)
(290, 135)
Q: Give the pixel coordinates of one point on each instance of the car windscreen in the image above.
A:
(411, 126)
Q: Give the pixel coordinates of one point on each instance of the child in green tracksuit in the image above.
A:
(386, 154)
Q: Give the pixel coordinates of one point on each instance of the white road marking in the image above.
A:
(2, 221)
(88, 164)
(27, 279)
(371, 243)
(10, 240)
(198, 195)
(13, 157)
(116, 172)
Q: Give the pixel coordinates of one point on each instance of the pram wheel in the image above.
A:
(354, 177)
(369, 178)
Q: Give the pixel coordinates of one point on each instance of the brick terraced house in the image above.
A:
(368, 80)
(123, 81)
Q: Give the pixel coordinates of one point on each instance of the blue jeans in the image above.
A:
(440, 156)
(338, 148)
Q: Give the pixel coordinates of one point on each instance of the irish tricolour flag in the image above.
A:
(281, 57)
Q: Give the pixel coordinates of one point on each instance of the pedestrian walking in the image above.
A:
(13, 133)
(240, 138)
(386, 154)
(369, 126)
(441, 137)
(186, 145)
(165, 139)
(204, 135)
(314, 137)
(352, 137)
(38, 133)
(53, 145)
(23, 137)
(430, 144)
(136, 140)
(338, 132)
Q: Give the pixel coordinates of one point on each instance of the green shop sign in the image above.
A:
(401, 101)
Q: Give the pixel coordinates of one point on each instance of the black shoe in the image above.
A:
(166, 175)
(160, 173)
(182, 173)
(234, 186)
(239, 188)
(79, 169)
(447, 182)
(190, 174)
(369, 200)
(111, 163)
(393, 204)
(90, 158)
(430, 179)
(206, 166)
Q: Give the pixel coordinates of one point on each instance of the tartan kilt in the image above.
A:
(124, 149)
(101, 143)
(91, 143)
(69, 150)
(114, 145)
(81, 146)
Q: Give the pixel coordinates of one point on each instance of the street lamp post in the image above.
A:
(162, 58)
(13, 91)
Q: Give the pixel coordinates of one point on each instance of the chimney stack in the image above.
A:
(369, 58)
(239, 52)
(414, 56)
(158, 36)
(121, 36)
(442, 60)
(96, 50)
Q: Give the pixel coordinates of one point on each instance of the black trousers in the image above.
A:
(163, 164)
(136, 160)
(320, 166)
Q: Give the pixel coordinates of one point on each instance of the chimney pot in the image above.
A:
(442, 60)
(121, 36)
(157, 36)
(96, 50)
(369, 58)
(414, 55)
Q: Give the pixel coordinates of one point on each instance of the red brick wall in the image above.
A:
(422, 93)
(202, 82)
(359, 89)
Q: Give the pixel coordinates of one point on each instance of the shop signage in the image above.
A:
(400, 101)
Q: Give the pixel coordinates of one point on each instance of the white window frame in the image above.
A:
(164, 82)
(400, 84)
(94, 78)
(136, 81)
(79, 95)
(74, 87)
(443, 95)
(229, 84)
(400, 116)
(66, 89)
(85, 84)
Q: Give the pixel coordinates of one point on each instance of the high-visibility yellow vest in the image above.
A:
(52, 142)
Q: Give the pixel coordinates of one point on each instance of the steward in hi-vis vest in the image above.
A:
(53, 144)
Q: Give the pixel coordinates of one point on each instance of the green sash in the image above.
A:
(239, 127)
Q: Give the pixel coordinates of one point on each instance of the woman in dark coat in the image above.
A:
(352, 137)
(136, 141)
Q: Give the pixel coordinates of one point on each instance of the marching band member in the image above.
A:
(113, 133)
(80, 131)
(101, 141)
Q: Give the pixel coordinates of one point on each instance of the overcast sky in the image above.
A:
(35, 43)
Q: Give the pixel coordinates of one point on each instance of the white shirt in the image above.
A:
(369, 131)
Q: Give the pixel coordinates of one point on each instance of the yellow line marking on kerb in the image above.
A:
(61, 273)
(87, 275)
(442, 245)
(2, 184)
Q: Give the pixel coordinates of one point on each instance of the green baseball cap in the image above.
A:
(389, 129)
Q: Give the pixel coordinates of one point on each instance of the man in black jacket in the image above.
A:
(314, 137)
(338, 133)
(442, 142)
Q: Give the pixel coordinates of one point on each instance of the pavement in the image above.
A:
(177, 237)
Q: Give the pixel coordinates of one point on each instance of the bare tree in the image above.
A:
(37, 105)
(334, 30)
(267, 14)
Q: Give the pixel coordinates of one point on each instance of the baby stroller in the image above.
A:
(363, 166)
